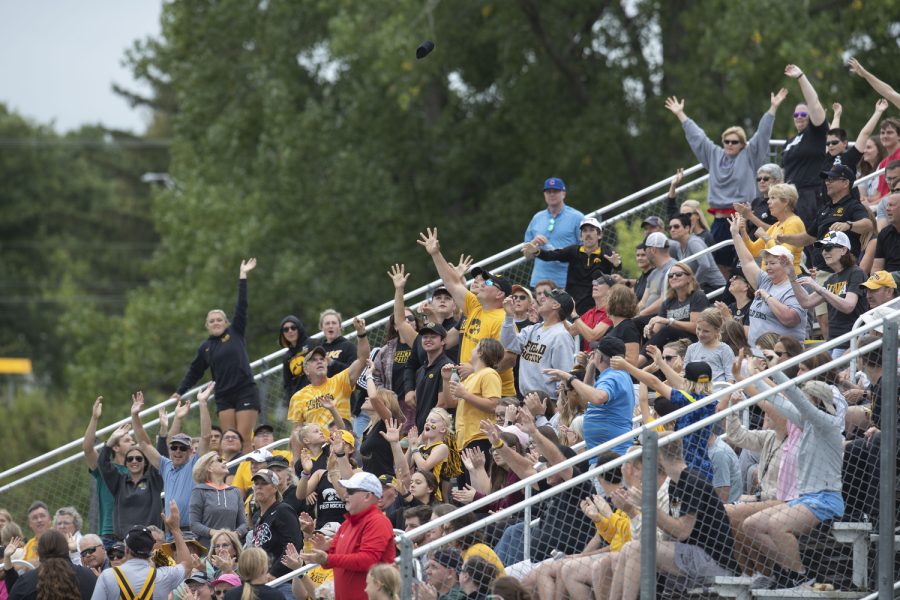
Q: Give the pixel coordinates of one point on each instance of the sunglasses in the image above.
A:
(410, 318)
(832, 143)
(800, 114)
(520, 297)
(178, 448)
(731, 142)
(770, 356)
(136, 458)
(489, 282)
(759, 179)
(671, 227)
(89, 551)
(551, 223)
(115, 554)
(828, 248)
(287, 328)
(676, 274)
(669, 357)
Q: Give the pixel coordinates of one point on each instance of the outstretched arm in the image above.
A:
(137, 402)
(205, 420)
(836, 119)
(648, 379)
(816, 110)
(748, 265)
(90, 435)
(407, 332)
(863, 138)
(362, 350)
(429, 240)
(879, 86)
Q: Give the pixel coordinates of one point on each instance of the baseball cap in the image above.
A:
(181, 438)
(366, 482)
(652, 221)
(387, 480)
(441, 290)
(267, 476)
(434, 328)
(498, 280)
(259, 456)
(264, 427)
(603, 280)
(278, 461)
(318, 350)
(140, 541)
(566, 303)
(554, 183)
(880, 279)
(229, 578)
(592, 221)
(821, 391)
(523, 437)
(329, 529)
(656, 240)
(779, 250)
(610, 346)
(834, 238)
(841, 171)
(449, 558)
(198, 577)
(521, 288)
(700, 372)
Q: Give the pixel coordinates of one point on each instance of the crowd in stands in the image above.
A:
(489, 382)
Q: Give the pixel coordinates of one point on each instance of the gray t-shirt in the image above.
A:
(655, 281)
(539, 348)
(726, 469)
(135, 571)
(718, 358)
(762, 319)
(704, 267)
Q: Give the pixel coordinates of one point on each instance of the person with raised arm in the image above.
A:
(224, 353)
(176, 468)
(732, 167)
(890, 127)
(105, 500)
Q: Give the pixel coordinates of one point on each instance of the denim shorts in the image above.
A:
(825, 506)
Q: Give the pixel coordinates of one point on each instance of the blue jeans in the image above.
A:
(286, 591)
(360, 422)
(510, 548)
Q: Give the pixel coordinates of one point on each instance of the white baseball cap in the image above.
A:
(592, 221)
(779, 250)
(656, 240)
(834, 238)
(363, 481)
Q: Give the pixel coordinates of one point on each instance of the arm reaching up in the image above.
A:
(816, 110)
(879, 86)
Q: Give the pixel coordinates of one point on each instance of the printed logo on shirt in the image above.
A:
(334, 354)
(262, 535)
(401, 357)
(296, 364)
(682, 313)
(533, 351)
(331, 500)
(473, 328)
(837, 288)
(225, 337)
(793, 143)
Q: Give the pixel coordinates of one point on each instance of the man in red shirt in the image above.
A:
(365, 538)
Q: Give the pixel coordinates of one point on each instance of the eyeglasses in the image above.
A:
(520, 297)
(89, 551)
(137, 458)
(551, 223)
(800, 114)
(759, 179)
(676, 226)
(828, 248)
(115, 554)
(410, 318)
(223, 547)
(545, 294)
(832, 142)
(735, 278)
(676, 274)
(599, 282)
(731, 142)
(231, 438)
(178, 448)
(287, 328)
(669, 357)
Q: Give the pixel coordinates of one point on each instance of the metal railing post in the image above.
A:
(407, 569)
(648, 514)
(887, 509)
(526, 539)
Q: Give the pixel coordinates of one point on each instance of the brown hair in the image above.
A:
(491, 352)
(509, 588)
(56, 579)
(621, 302)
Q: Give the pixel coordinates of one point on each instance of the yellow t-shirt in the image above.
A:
(481, 324)
(485, 383)
(319, 575)
(790, 226)
(306, 405)
(31, 550)
(485, 552)
(616, 530)
(243, 477)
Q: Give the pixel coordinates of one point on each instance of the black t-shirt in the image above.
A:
(626, 331)
(261, 591)
(847, 210)
(273, 531)
(428, 385)
(290, 498)
(741, 314)
(681, 311)
(376, 451)
(692, 494)
(887, 246)
(25, 587)
(759, 206)
(641, 284)
(563, 525)
(803, 155)
(401, 356)
(848, 281)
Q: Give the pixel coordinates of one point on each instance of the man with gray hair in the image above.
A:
(93, 553)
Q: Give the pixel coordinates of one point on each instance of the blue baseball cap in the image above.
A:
(555, 183)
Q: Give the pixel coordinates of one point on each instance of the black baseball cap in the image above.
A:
(698, 371)
(434, 328)
(498, 280)
(140, 541)
(839, 171)
(566, 303)
(264, 427)
(610, 346)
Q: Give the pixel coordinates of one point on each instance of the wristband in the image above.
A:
(362, 335)
(498, 445)
(571, 379)
(671, 320)
(305, 474)
(340, 454)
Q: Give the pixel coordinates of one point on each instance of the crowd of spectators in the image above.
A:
(489, 382)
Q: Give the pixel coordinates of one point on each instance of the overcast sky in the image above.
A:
(59, 59)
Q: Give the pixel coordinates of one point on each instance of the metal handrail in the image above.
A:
(855, 341)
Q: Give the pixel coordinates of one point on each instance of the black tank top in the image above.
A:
(329, 505)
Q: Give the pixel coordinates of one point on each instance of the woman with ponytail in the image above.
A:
(56, 578)
(383, 582)
(254, 568)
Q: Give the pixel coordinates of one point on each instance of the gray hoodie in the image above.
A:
(821, 453)
(212, 508)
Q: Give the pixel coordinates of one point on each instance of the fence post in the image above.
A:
(407, 568)
(887, 509)
(648, 514)
(263, 393)
(526, 534)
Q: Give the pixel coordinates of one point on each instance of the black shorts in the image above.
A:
(246, 398)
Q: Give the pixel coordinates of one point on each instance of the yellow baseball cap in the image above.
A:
(880, 279)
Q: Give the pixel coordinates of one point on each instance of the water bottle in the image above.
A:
(454, 376)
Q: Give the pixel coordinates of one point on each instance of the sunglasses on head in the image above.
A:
(134, 458)
(551, 223)
(800, 114)
(763, 178)
(287, 328)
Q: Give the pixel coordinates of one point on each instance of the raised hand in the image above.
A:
(359, 325)
(163, 422)
(398, 276)
(510, 414)
(675, 106)
(602, 506)
(619, 363)
(490, 430)
(306, 461)
(182, 407)
(173, 521)
(338, 445)
(526, 422)
(247, 266)
(614, 258)
(778, 97)
(446, 371)
(793, 71)
(655, 354)
(118, 432)
(97, 409)
(14, 544)
(622, 500)
(425, 591)
(392, 435)
(589, 510)
(881, 105)
(735, 223)
(223, 562)
(137, 402)
(837, 109)
(429, 240)
(307, 523)
(677, 177)
(557, 374)
(509, 306)
(736, 365)
(206, 392)
(472, 458)
(462, 267)
(327, 401)
(856, 67)
(413, 436)
(291, 558)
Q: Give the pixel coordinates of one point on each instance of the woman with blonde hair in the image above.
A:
(381, 405)
(680, 310)
(383, 582)
(435, 450)
(782, 205)
(699, 225)
(224, 553)
(214, 504)
(254, 566)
